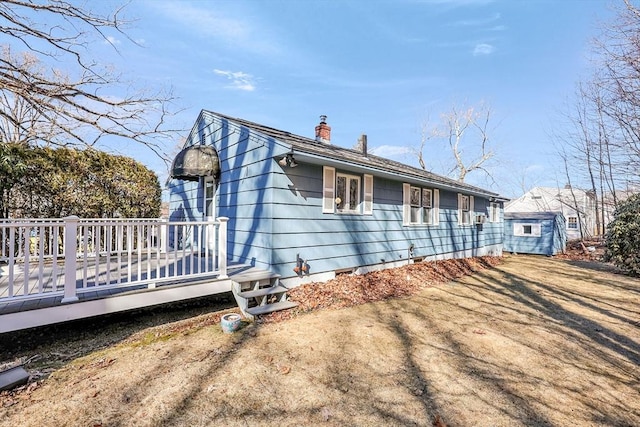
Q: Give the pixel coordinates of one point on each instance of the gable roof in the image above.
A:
(309, 146)
(549, 199)
(531, 215)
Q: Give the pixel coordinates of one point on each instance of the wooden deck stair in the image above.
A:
(259, 292)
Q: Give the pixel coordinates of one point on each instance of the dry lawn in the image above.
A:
(533, 341)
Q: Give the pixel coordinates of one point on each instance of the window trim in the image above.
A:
(364, 205)
(205, 182)
(462, 210)
(494, 212)
(408, 206)
(535, 229)
(349, 177)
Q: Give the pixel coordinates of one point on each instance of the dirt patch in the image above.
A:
(533, 341)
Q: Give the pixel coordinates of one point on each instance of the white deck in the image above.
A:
(58, 270)
(49, 309)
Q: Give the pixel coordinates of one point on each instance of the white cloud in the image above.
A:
(477, 22)
(112, 41)
(239, 80)
(229, 27)
(483, 49)
(389, 151)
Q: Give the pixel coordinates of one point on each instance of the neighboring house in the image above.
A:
(306, 209)
(576, 205)
(540, 233)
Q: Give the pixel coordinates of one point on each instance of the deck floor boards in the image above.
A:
(34, 303)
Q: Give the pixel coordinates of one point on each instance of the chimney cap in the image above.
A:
(323, 118)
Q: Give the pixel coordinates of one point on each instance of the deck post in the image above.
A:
(163, 232)
(70, 256)
(222, 247)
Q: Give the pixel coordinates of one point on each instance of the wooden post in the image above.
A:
(222, 247)
(70, 255)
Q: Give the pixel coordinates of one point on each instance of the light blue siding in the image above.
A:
(275, 214)
(552, 239)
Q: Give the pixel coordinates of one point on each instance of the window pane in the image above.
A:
(209, 192)
(415, 215)
(353, 194)
(426, 198)
(465, 203)
(526, 229)
(426, 215)
(341, 192)
(415, 196)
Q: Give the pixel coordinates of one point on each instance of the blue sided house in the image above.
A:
(306, 209)
(538, 233)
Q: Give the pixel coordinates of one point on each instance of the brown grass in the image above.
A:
(533, 341)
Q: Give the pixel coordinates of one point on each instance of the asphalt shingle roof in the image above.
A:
(332, 151)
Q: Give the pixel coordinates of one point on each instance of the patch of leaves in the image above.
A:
(348, 290)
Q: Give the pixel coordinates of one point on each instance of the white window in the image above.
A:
(527, 230)
(420, 205)
(465, 209)
(209, 197)
(415, 205)
(342, 193)
(494, 212)
(427, 205)
(347, 193)
(572, 223)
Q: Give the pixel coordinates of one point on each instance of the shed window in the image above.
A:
(420, 205)
(465, 209)
(572, 223)
(527, 230)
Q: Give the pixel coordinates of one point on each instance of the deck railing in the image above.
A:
(70, 256)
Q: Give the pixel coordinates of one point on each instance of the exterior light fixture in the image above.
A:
(288, 161)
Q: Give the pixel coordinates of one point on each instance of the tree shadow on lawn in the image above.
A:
(78, 338)
(493, 379)
(596, 340)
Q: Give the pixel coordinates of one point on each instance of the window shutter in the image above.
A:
(472, 215)
(536, 230)
(459, 209)
(328, 189)
(368, 195)
(436, 207)
(406, 204)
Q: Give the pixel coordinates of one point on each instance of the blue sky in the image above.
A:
(373, 66)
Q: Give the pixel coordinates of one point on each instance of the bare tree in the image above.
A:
(82, 103)
(466, 131)
(617, 52)
(600, 149)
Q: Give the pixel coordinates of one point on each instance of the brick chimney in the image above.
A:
(323, 131)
